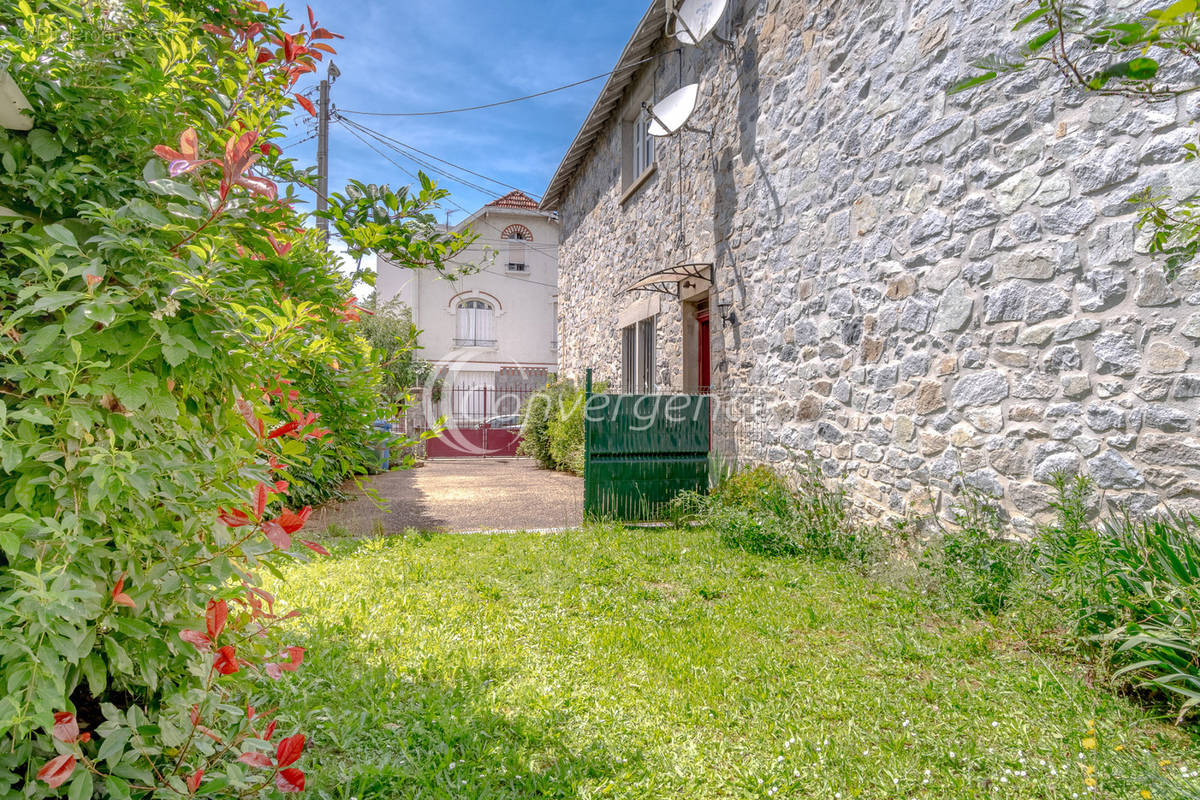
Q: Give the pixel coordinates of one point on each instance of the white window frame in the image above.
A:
(517, 255)
(643, 144)
(637, 147)
(475, 323)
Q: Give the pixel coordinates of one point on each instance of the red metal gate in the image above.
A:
(480, 420)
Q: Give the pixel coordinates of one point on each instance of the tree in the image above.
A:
(176, 350)
(1150, 56)
(389, 329)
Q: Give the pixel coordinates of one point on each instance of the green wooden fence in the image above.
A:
(641, 451)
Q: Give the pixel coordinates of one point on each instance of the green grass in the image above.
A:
(658, 664)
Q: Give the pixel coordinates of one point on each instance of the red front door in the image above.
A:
(703, 372)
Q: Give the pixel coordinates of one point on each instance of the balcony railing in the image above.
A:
(474, 342)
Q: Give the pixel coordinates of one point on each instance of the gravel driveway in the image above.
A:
(467, 494)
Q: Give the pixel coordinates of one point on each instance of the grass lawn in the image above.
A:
(658, 664)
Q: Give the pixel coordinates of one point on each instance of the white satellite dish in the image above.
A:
(696, 19)
(671, 113)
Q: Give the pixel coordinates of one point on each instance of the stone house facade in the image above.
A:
(918, 289)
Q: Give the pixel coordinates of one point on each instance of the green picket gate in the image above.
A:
(640, 451)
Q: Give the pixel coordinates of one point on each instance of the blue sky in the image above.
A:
(425, 56)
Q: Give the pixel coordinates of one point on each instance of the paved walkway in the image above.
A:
(467, 494)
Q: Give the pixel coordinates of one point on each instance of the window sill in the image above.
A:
(638, 183)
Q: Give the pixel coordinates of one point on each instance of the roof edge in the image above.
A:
(621, 77)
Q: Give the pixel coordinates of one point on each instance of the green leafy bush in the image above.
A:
(1154, 574)
(1069, 559)
(975, 565)
(552, 427)
(390, 331)
(756, 510)
(177, 354)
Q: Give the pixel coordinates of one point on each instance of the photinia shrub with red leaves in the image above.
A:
(176, 372)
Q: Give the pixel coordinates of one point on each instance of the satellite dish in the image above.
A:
(696, 19)
(671, 113)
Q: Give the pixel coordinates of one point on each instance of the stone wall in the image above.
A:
(928, 289)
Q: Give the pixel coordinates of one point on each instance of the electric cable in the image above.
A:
(397, 142)
(503, 102)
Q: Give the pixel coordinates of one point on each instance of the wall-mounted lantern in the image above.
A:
(12, 105)
(728, 315)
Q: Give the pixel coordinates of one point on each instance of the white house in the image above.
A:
(493, 330)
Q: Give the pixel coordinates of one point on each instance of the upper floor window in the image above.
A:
(476, 324)
(517, 236)
(637, 148)
(643, 144)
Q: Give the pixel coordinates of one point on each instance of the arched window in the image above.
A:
(517, 236)
(476, 324)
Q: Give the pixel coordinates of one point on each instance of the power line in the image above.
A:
(460, 208)
(504, 102)
(531, 245)
(399, 143)
(347, 124)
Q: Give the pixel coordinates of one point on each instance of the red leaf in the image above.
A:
(291, 522)
(290, 780)
(274, 671)
(296, 656)
(289, 750)
(225, 662)
(259, 186)
(281, 249)
(270, 730)
(235, 518)
(57, 770)
(276, 535)
(200, 640)
(118, 594)
(321, 33)
(249, 711)
(284, 429)
(215, 616)
(84, 737)
(189, 144)
(236, 151)
(183, 166)
(260, 500)
(306, 104)
(312, 20)
(168, 153)
(261, 760)
(316, 548)
(193, 781)
(66, 729)
(264, 55)
(281, 487)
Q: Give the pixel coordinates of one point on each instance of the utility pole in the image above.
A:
(323, 155)
(331, 75)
